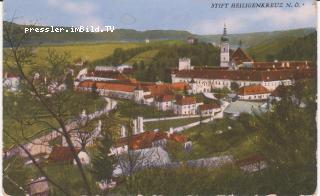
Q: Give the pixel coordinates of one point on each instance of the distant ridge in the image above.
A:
(129, 35)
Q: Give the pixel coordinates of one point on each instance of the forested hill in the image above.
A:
(304, 48)
(249, 40)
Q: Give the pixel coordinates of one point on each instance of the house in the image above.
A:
(38, 187)
(83, 157)
(252, 163)
(209, 109)
(148, 139)
(137, 160)
(61, 154)
(11, 81)
(254, 92)
(165, 102)
(185, 106)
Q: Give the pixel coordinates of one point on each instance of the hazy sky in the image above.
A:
(195, 16)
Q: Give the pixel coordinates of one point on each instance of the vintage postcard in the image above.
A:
(185, 97)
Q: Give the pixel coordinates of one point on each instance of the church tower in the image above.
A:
(224, 49)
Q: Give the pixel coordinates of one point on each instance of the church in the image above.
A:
(237, 67)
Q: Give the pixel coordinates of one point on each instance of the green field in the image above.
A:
(128, 110)
(165, 125)
(90, 51)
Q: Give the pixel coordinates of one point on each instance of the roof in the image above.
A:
(253, 90)
(239, 56)
(278, 91)
(249, 74)
(209, 106)
(148, 96)
(108, 74)
(145, 140)
(148, 157)
(165, 98)
(238, 107)
(251, 160)
(186, 100)
(61, 154)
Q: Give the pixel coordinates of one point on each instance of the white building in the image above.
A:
(254, 92)
(185, 64)
(186, 106)
(209, 109)
(165, 102)
(11, 82)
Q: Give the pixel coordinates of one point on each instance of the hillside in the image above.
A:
(249, 40)
(119, 35)
(253, 39)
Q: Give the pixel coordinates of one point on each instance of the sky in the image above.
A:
(195, 16)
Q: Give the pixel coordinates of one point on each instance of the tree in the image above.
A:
(63, 107)
(69, 82)
(234, 86)
(102, 163)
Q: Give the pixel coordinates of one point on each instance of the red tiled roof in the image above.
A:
(239, 56)
(186, 100)
(110, 74)
(246, 74)
(209, 106)
(145, 140)
(61, 154)
(252, 90)
(165, 98)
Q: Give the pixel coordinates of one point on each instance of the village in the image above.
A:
(196, 96)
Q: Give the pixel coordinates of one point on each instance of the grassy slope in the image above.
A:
(144, 56)
(31, 131)
(165, 125)
(89, 51)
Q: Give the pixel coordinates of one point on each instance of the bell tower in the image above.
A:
(224, 49)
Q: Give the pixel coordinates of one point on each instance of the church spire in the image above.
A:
(224, 37)
(225, 30)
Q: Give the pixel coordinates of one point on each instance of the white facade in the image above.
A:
(190, 109)
(224, 54)
(263, 96)
(164, 106)
(138, 125)
(206, 85)
(184, 64)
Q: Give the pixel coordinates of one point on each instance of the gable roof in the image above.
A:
(186, 100)
(145, 139)
(240, 56)
(165, 98)
(253, 90)
(209, 106)
(62, 154)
